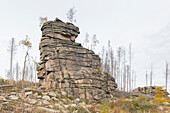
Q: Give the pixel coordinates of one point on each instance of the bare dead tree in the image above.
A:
(86, 40)
(151, 76)
(35, 73)
(13, 73)
(26, 72)
(115, 69)
(12, 50)
(102, 61)
(112, 61)
(6, 73)
(71, 14)
(121, 77)
(31, 73)
(119, 56)
(17, 72)
(124, 78)
(28, 45)
(94, 42)
(127, 78)
(146, 78)
(124, 74)
(130, 61)
(118, 68)
(35, 70)
(106, 67)
(133, 78)
(135, 81)
(109, 47)
(11, 60)
(166, 81)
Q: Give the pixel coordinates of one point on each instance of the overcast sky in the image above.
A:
(144, 23)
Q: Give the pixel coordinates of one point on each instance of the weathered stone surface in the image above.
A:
(47, 110)
(32, 101)
(28, 94)
(150, 90)
(13, 93)
(63, 93)
(35, 94)
(60, 30)
(52, 94)
(67, 65)
(27, 89)
(45, 102)
(58, 106)
(13, 97)
(46, 98)
(73, 105)
(2, 98)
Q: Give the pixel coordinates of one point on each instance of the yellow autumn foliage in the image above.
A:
(14, 83)
(160, 96)
(26, 42)
(42, 20)
(99, 69)
(2, 81)
(6, 81)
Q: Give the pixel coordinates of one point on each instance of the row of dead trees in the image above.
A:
(147, 76)
(29, 70)
(150, 76)
(119, 64)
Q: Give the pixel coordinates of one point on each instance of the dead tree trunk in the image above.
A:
(132, 79)
(124, 78)
(11, 59)
(151, 76)
(127, 78)
(115, 70)
(23, 74)
(166, 76)
(17, 73)
(135, 80)
(112, 61)
(31, 73)
(146, 78)
(130, 59)
(35, 72)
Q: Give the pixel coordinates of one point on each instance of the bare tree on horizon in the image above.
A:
(151, 75)
(166, 81)
(28, 44)
(12, 49)
(71, 14)
(130, 62)
(146, 78)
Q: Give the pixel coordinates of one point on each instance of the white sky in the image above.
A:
(144, 23)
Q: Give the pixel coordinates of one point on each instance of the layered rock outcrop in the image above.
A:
(150, 90)
(67, 65)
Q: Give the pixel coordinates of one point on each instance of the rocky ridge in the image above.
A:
(37, 100)
(150, 90)
(67, 65)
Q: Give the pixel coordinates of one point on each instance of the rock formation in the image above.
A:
(67, 65)
(150, 90)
